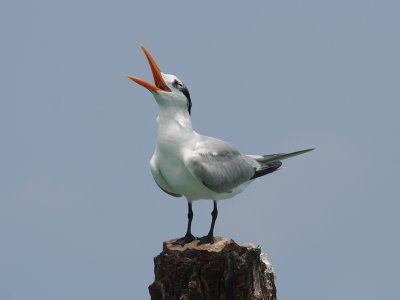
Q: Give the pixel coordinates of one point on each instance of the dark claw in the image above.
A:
(207, 239)
(185, 240)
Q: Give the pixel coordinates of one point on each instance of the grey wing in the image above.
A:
(219, 166)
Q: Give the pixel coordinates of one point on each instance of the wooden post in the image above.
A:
(223, 270)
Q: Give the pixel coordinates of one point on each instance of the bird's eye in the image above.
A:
(177, 84)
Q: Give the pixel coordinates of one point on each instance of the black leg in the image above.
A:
(190, 218)
(188, 236)
(214, 215)
(209, 238)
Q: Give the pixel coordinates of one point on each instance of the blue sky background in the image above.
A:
(80, 215)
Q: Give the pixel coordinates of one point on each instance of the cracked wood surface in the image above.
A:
(223, 270)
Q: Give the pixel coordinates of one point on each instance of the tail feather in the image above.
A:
(280, 156)
(272, 162)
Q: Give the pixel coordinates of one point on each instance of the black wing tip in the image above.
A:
(267, 169)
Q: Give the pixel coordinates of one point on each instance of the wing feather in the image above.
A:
(219, 166)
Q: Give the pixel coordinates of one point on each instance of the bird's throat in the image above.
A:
(174, 128)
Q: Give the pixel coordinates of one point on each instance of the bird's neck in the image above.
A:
(174, 125)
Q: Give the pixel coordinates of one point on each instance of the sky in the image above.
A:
(80, 214)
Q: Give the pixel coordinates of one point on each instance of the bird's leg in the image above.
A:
(209, 238)
(188, 236)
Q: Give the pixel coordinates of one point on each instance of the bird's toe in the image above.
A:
(185, 240)
(207, 239)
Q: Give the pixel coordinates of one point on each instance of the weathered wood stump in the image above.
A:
(223, 270)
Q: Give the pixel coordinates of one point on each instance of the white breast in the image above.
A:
(169, 157)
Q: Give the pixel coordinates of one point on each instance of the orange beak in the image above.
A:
(159, 83)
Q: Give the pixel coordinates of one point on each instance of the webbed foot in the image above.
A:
(185, 240)
(207, 239)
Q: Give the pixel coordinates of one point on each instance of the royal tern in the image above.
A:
(186, 163)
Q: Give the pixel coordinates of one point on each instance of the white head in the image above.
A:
(168, 90)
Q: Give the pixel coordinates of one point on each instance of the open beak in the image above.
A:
(159, 83)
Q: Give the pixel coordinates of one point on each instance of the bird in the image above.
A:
(186, 163)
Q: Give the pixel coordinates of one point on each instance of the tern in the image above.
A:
(186, 163)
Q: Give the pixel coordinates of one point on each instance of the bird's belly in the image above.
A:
(182, 181)
(178, 177)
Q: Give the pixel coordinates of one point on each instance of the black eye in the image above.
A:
(177, 84)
